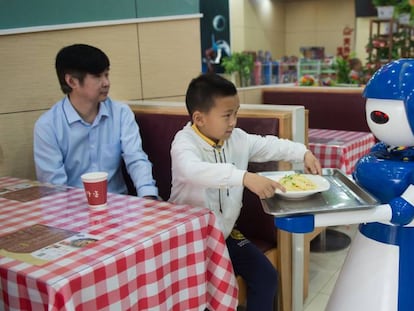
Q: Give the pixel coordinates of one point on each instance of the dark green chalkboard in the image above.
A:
(150, 8)
(29, 13)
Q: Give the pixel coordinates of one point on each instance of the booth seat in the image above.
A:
(334, 108)
(158, 126)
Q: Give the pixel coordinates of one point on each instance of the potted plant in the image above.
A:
(385, 8)
(403, 11)
(240, 63)
(342, 70)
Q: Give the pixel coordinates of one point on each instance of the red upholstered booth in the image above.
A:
(331, 108)
(157, 132)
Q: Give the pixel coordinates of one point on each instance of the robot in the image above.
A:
(379, 269)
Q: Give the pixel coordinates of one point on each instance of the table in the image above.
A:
(340, 149)
(337, 149)
(147, 255)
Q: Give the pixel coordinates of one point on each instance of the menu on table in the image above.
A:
(29, 191)
(38, 244)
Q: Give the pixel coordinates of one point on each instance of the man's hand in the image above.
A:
(263, 187)
(151, 197)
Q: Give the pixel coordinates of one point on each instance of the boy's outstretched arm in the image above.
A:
(262, 186)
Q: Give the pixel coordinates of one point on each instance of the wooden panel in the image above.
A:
(316, 89)
(170, 57)
(16, 144)
(250, 95)
(285, 117)
(169, 99)
(30, 86)
(28, 77)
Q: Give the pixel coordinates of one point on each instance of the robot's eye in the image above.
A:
(379, 117)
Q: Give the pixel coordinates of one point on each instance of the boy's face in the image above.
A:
(219, 122)
(94, 88)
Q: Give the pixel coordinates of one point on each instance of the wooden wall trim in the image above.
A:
(14, 31)
(30, 84)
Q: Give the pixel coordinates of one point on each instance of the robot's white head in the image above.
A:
(390, 103)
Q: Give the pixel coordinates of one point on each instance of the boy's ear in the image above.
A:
(198, 118)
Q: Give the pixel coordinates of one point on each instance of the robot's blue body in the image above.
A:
(379, 270)
(388, 173)
(387, 176)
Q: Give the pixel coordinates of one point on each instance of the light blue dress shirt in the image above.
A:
(65, 147)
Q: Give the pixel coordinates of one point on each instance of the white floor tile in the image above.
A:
(318, 303)
(324, 270)
(328, 288)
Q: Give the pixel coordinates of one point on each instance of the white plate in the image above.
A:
(321, 183)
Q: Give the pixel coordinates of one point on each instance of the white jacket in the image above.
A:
(205, 176)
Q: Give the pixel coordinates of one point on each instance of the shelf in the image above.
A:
(390, 41)
(316, 68)
(287, 72)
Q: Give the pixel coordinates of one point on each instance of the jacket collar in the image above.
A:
(209, 141)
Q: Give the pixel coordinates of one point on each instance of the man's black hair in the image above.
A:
(78, 60)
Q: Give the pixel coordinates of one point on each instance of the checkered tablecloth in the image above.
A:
(340, 149)
(151, 256)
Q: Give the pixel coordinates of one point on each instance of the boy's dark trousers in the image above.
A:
(259, 274)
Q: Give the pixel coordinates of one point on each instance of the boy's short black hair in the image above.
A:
(203, 90)
(78, 60)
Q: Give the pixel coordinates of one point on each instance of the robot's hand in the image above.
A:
(403, 207)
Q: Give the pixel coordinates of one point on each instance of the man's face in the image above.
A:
(94, 88)
(219, 122)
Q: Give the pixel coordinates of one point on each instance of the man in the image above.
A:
(87, 131)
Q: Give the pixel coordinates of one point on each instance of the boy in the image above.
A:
(87, 131)
(209, 168)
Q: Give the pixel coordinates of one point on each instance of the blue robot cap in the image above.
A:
(394, 81)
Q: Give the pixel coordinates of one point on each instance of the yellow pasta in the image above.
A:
(297, 182)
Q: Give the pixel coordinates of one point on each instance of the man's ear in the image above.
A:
(198, 118)
(71, 80)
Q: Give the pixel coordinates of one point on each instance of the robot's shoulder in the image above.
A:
(380, 146)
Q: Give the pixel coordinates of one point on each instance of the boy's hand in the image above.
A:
(312, 164)
(263, 187)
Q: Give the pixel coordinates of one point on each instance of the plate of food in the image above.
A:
(300, 185)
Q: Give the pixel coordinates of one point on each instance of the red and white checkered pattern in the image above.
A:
(340, 149)
(152, 256)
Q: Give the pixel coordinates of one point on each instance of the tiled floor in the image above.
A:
(324, 270)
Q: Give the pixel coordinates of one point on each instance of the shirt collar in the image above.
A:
(73, 116)
(209, 141)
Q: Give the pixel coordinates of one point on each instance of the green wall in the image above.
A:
(28, 13)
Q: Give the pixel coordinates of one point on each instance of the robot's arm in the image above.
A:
(398, 211)
(403, 207)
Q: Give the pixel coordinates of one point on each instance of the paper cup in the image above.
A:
(96, 188)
